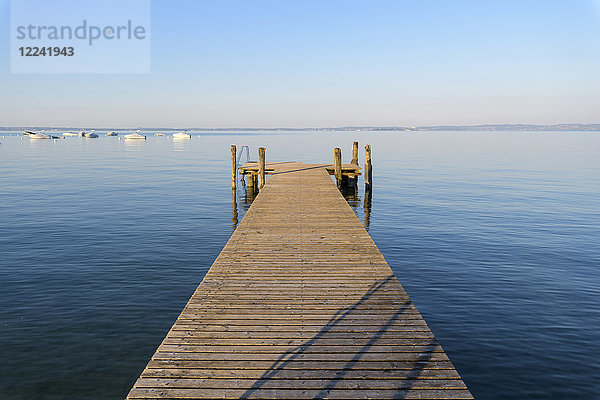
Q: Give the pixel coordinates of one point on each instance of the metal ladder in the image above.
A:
(239, 156)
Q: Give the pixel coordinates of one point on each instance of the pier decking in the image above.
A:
(300, 304)
(252, 167)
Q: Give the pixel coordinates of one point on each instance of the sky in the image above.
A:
(326, 63)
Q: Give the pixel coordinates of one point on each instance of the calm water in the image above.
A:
(494, 235)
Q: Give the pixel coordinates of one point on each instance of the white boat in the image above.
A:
(38, 136)
(34, 135)
(135, 135)
(112, 134)
(181, 135)
(88, 135)
(69, 134)
(161, 134)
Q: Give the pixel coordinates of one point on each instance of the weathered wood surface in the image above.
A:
(233, 166)
(270, 166)
(300, 304)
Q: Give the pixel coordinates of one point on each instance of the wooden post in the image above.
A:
(234, 207)
(261, 168)
(367, 208)
(368, 168)
(354, 153)
(233, 167)
(250, 184)
(337, 160)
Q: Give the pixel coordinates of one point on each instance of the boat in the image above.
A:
(33, 135)
(112, 134)
(69, 134)
(161, 134)
(181, 135)
(88, 135)
(135, 135)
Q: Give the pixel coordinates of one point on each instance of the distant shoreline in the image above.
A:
(466, 128)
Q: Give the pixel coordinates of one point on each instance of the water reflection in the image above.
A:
(181, 144)
(242, 200)
(132, 145)
(251, 189)
(352, 194)
(349, 189)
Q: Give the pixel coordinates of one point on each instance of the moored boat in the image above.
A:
(39, 136)
(135, 135)
(181, 135)
(33, 135)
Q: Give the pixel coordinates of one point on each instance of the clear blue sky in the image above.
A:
(298, 63)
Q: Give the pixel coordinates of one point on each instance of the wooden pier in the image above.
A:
(300, 304)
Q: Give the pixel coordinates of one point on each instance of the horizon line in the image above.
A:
(500, 126)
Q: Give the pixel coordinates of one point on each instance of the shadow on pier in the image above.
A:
(334, 329)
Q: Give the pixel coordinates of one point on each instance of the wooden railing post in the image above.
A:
(261, 167)
(234, 209)
(368, 168)
(354, 153)
(337, 160)
(367, 208)
(233, 167)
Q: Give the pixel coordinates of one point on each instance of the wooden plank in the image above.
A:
(300, 304)
(319, 348)
(292, 336)
(316, 329)
(325, 393)
(266, 366)
(300, 374)
(244, 343)
(211, 383)
(298, 356)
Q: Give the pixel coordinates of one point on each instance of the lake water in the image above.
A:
(495, 236)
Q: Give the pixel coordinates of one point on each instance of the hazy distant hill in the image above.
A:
(494, 127)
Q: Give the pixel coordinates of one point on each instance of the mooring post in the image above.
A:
(261, 168)
(352, 179)
(354, 153)
(337, 160)
(250, 184)
(234, 207)
(233, 167)
(367, 208)
(368, 168)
